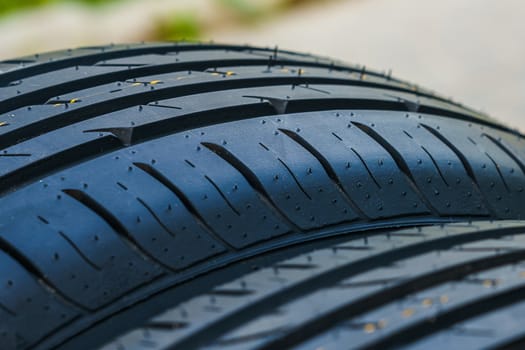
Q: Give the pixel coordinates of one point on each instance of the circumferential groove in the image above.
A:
(55, 162)
(143, 133)
(42, 95)
(75, 115)
(81, 113)
(157, 175)
(167, 325)
(105, 55)
(515, 344)
(252, 179)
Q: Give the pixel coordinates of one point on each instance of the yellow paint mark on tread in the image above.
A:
(155, 82)
(57, 104)
(488, 283)
(443, 299)
(215, 74)
(230, 73)
(369, 328)
(408, 312)
(3, 124)
(74, 100)
(427, 302)
(136, 84)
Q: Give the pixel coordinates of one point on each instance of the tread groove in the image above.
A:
(515, 344)
(26, 263)
(157, 219)
(496, 165)
(296, 180)
(400, 162)
(278, 233)
(436, 166)
(388, 295)
(366, 167)
(82, 113)
(463, 159)
(104, 145)
(7, 310)
(40, 96)
(252, 179)
(327, 168)
(449, 318)
(55, 162)
(231, 292)
(222, 195)
(101, 56)
(339, 273)
(79, 114)
(507, 151)
(91, 204)
(155, 174)
(79, 252)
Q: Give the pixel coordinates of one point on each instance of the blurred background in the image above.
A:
(471, 50)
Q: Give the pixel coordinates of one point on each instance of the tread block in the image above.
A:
(152, 215)
(365, 170)
(85, 263)
(307, 196)
(24, 302)
(436, 170)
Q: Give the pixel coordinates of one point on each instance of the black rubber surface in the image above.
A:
(126, 172)
(459, 286)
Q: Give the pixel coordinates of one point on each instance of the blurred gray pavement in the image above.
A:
(471, 50)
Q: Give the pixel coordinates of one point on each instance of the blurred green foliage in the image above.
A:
(179, 26)
(10, 6)
(249, 11)
(182, 25)
(189, 26)
(244, 10)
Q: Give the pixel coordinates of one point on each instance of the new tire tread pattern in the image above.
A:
(126, 171)
(458, 285)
